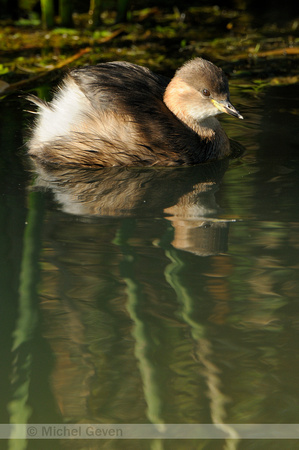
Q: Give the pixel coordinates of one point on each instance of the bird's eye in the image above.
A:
(206, 92)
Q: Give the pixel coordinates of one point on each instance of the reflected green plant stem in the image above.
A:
(203, 347)
(26, 323)
(172, 272)
(141, 333)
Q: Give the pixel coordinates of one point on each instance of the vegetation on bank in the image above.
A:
(161, 38)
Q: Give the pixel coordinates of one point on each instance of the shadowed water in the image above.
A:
(154, 295)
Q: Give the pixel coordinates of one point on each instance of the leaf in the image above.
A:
(3, 86)
(3, 69)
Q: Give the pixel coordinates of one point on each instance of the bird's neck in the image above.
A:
(183, 100)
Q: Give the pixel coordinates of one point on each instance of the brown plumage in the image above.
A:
(117, 114)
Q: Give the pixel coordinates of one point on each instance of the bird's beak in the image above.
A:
(226, 107)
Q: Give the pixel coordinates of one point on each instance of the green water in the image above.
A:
(154, 296)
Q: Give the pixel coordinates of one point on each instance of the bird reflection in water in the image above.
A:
(185, 196)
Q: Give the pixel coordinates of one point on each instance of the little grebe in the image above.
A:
(121, 114)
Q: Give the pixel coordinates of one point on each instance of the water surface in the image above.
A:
(154, 295)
